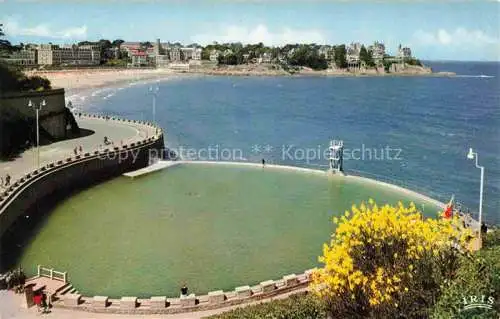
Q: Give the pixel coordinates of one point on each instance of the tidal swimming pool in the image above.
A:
(209, 226)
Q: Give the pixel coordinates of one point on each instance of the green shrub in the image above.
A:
(11, 79)
(478, 275)
(300, 306)
(492, 238)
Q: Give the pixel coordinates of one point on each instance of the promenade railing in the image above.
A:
(9, 192)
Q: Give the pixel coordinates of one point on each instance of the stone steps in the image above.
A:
(66, 289)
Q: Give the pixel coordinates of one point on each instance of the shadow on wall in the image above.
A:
(18, 132)
(23, 230)
(29, 222)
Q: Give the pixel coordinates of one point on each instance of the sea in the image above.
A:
(410, 131)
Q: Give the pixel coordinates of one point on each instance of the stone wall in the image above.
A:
(289, 284)
(52, 116)
(74, 173)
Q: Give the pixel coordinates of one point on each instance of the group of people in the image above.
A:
(14, 279)
(78, 150)
(5, 182)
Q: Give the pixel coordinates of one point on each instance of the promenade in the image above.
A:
(116, 132)
(11, 308)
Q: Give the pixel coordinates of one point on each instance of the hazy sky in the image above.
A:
(443, 30)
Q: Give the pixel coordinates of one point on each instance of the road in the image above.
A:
(11, 307)
(117, 132)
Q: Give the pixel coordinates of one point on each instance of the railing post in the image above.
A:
(51, 273)
(65, 276)
(38, 270)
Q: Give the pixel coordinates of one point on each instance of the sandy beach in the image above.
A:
(83, 79)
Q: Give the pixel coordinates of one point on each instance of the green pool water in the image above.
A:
(209, 226)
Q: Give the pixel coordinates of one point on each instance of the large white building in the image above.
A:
(353, 51)
(49, 54)
(404, 53)
(23, 58)
(378, 51)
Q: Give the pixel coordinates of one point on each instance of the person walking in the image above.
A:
(7, 180)
(263, 162)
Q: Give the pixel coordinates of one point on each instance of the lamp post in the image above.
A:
(473, 155)
(37, 109)
(154, 93)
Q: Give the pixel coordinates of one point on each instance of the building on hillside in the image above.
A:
(162, 61)
(175, 54)
(187, 53)
(157, 48)
(49, 54)
(265, 57)
(138, 58)
(197, 54)
(214, 55)
(23, 58)
(115, 52)
(404, 53)
(378, 51)
(326, 51)
(128, 46)
(353, 51)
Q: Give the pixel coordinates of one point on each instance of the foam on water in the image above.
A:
(474, 76)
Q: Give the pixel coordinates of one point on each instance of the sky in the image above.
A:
(437, 30)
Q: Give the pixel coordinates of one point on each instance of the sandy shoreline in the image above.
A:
(77, 80)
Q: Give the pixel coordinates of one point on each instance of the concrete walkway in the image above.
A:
(11, 307)
(116, 132)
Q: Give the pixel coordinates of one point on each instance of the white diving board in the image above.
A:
(152, 168)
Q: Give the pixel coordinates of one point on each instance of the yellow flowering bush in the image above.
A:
(384, 261)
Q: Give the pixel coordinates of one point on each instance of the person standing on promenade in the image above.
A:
(45, 305)
(263, 162)
(37, 300)
(184, 291)
(7, 180)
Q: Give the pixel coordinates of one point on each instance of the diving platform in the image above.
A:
(152, 168)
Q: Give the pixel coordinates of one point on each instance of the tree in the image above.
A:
(145, 45)
(386, 261)
(5, 46)
(366, 56)
(117, 43)
(307, 55)
(104, 44)
(340, 56)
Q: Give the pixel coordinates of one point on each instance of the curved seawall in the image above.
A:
(76, 172)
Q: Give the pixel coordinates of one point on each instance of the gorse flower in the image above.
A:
(375, 251)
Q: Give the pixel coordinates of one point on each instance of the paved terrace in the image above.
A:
(116, 132)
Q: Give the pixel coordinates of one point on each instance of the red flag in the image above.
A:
(448, 211)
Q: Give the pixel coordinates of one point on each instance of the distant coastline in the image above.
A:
(244, 70)
(86, 78)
